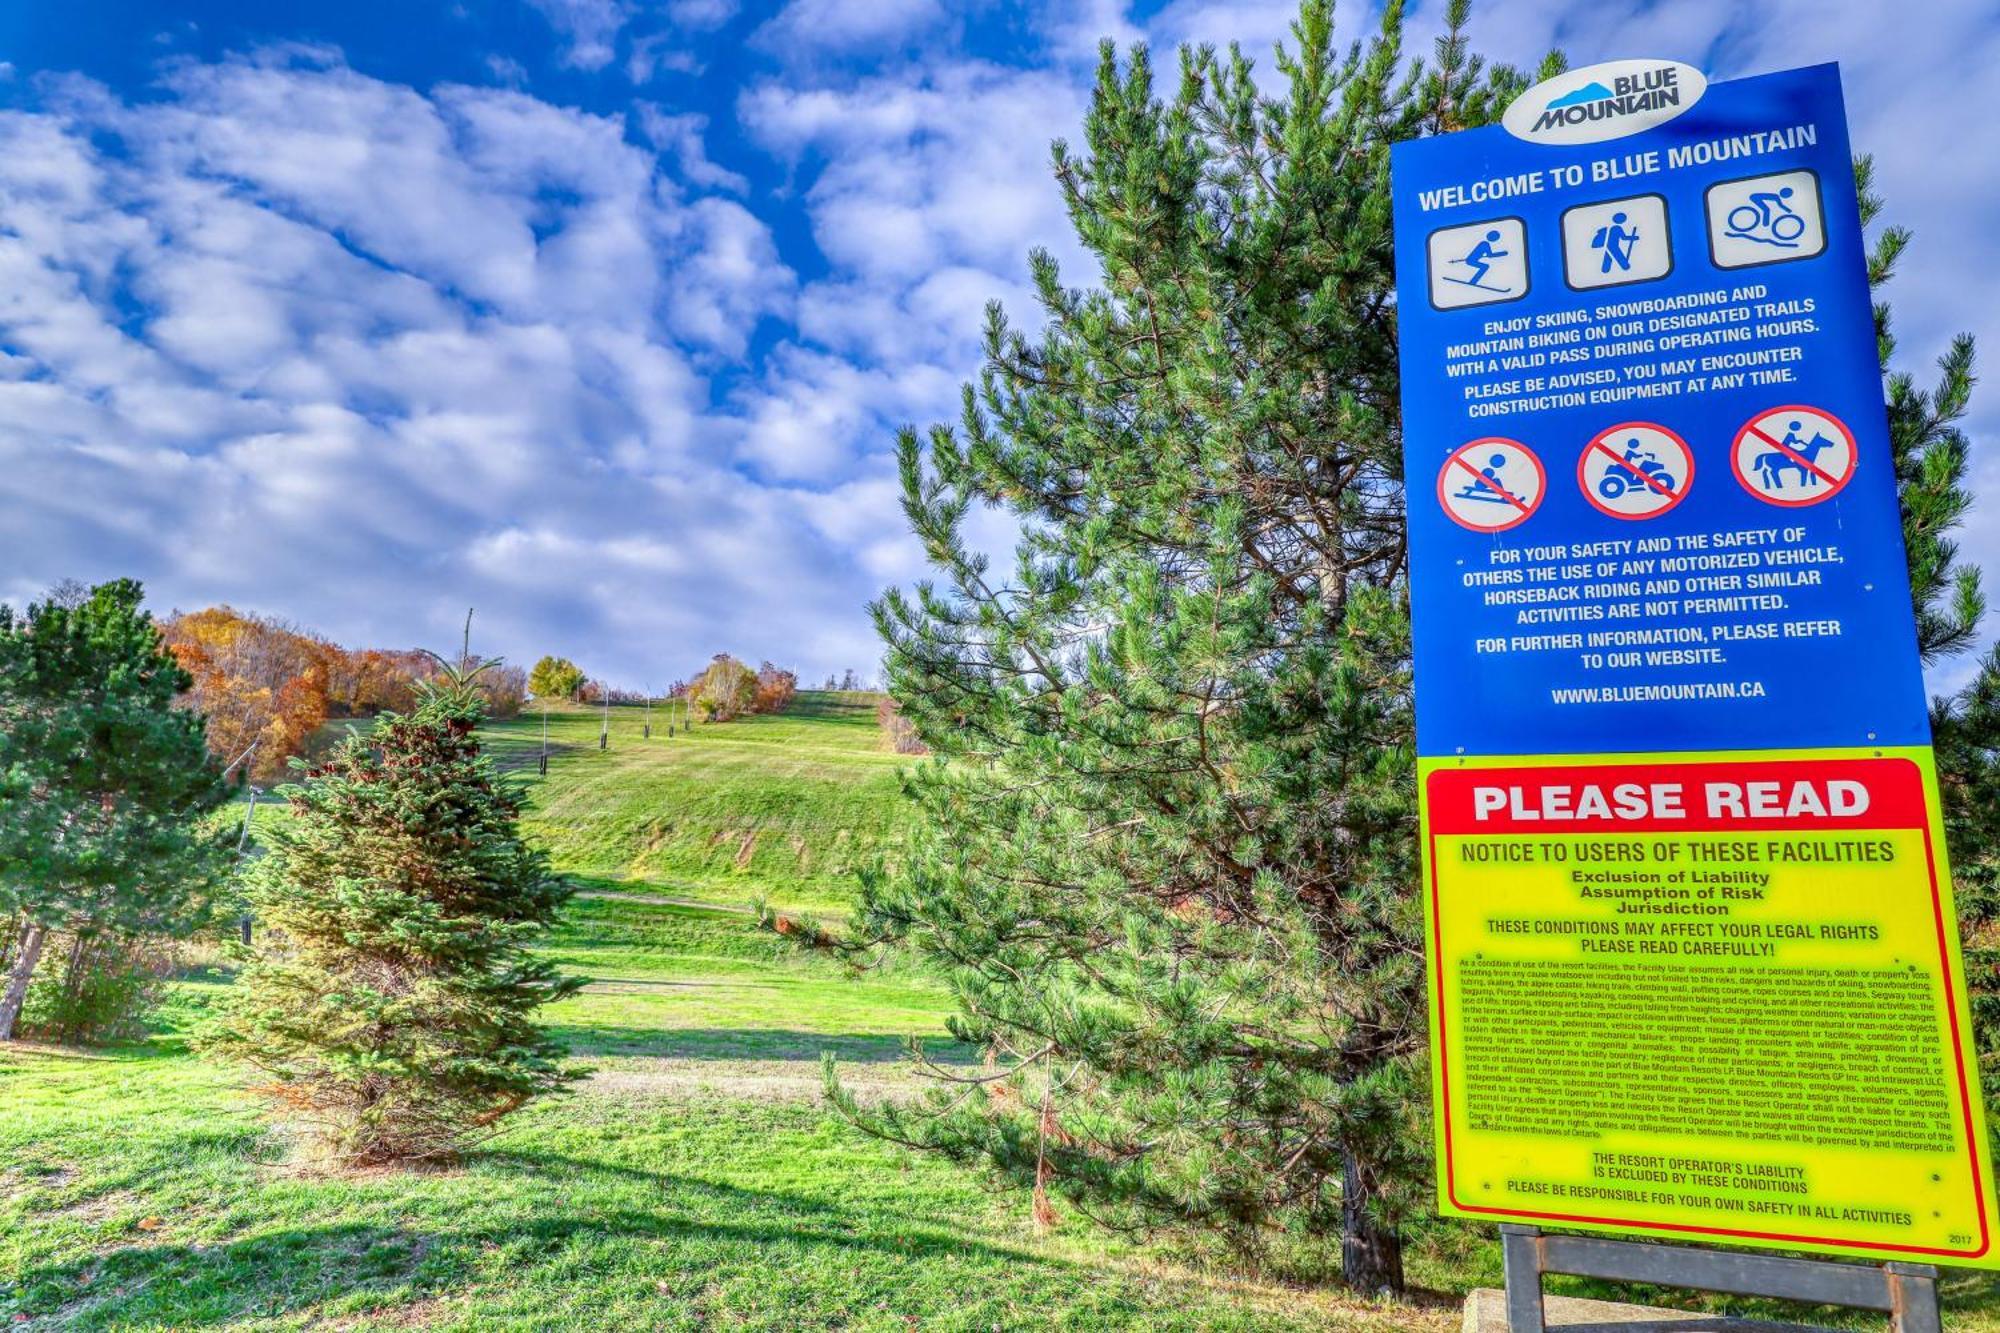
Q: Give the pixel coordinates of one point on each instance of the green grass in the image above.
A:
(694, 1182)
(785, 807)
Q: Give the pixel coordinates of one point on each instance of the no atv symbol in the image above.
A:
(1794, 456)
(1635, 470)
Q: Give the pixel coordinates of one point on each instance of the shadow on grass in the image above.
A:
(751, 1044)
(512, 755)
(299, 1268)
(824, 707)
(668, 897)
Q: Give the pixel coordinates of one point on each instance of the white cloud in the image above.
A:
(658, 52)
(682, 134)
(924, 213)
(592, 29)
(820, 27)
(286, 335)
(948, 166)
(589, 28)
(701, 15)
(321, 345)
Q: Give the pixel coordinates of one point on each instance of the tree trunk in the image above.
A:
(74, 972)
(30, 953)
(1371, 1255)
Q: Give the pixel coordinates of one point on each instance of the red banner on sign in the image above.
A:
(1707, 797)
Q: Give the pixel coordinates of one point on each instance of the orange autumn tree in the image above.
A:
(260, 682)
(367, 681)
(775, 688)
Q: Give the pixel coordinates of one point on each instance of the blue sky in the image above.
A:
(600, 314)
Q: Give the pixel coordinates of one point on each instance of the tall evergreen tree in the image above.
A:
(392, 1000)
(1169, 867)
(1169, 854)
(104, 783)
(1932, 457)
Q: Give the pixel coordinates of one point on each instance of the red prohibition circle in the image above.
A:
(1590, 494)
(1457, 456)
(1833, 488)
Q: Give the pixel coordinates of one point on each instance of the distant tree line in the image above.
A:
(266, 685)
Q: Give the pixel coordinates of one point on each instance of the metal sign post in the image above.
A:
(1693, 964)
(245, 922)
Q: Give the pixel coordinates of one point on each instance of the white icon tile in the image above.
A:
(1479, 263)
(1617, 241)
(1765, 220)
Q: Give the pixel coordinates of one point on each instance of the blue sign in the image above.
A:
(1651, 504)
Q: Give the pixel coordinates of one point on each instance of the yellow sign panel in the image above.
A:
(1714, 997)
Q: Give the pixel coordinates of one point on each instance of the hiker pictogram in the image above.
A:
(1794, 456)
(1478, 263)
(1491, 485)
(1616, 241)
(1635, 470)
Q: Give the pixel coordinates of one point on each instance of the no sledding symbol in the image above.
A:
(1794, 456)
(1492, 484)
(1635, 470)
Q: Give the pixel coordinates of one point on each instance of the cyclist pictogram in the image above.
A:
(1492, 484)
(1794, 456)
(1635, 470)
(1765, 220)
(1768, 219)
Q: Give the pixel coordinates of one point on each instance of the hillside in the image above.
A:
(783, 807)
(694, 1180)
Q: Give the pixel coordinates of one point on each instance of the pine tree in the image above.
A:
(1932, 457)
(1169, 865)
(392, 1001)
(104, 783)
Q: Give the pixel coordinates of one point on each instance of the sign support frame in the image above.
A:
(1906, 1292)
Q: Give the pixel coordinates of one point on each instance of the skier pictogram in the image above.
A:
(1478, 263)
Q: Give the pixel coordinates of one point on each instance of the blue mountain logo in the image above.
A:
(1590, 92)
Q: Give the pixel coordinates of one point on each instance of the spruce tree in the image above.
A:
(1168, 856)
(105, 784)
(392, 1000)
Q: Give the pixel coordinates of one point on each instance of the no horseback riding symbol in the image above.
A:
(1636, 470)
(1794, 456)
(1491, 485)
